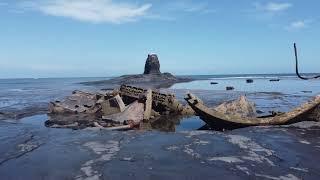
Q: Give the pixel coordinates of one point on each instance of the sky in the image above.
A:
(102, 38)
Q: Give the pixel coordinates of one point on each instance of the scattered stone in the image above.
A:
(249, 80)
(229, 88)
(306, 91)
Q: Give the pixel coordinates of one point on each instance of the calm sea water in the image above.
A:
(17, 94)
(286, 85)
(21, 93)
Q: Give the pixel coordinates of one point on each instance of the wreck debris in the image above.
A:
(241, 107)
(112, 105)
(274, 80)
(307, 112)
(297, 68)
(117, 109)
(148, 105)
(162, 103)
(134, 113)
(78, 102)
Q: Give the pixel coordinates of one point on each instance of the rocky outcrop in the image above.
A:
(151, 78)
(152, 65)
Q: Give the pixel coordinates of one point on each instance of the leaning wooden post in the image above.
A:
(148, 106)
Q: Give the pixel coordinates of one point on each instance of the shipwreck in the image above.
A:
(309, 111)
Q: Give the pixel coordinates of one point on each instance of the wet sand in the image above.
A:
(30, 151)
(174, 149)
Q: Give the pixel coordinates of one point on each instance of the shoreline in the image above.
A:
(265, 101)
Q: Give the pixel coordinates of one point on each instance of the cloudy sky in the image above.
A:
(72, 38)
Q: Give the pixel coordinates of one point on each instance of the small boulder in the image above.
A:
(229, 88)
(249, 80)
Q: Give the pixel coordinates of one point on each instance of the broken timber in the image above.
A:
(161, 102)
(148, 105)
(307, 112)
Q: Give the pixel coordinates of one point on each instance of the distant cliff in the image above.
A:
(151, 78)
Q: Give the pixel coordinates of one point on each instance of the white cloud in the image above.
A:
(300, 24)
(273, 7)
(189, 6)
(96, 11)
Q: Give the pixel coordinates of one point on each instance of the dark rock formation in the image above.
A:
(151, 78)
(152, 65)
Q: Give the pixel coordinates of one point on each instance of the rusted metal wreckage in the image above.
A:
(217, 120)
(121, 108)
(163, 103)
(129, 106)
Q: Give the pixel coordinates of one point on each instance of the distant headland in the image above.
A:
(151, 78)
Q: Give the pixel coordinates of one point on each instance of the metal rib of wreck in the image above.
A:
(217, 120)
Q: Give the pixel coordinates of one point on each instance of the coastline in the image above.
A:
(167, 147)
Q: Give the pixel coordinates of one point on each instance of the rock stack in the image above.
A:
(152, 65)
(151, 78)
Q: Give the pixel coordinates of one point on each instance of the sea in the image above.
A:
(19, 93)
(283, 95)
(172, 149)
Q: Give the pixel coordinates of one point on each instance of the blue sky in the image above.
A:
(71, 38)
